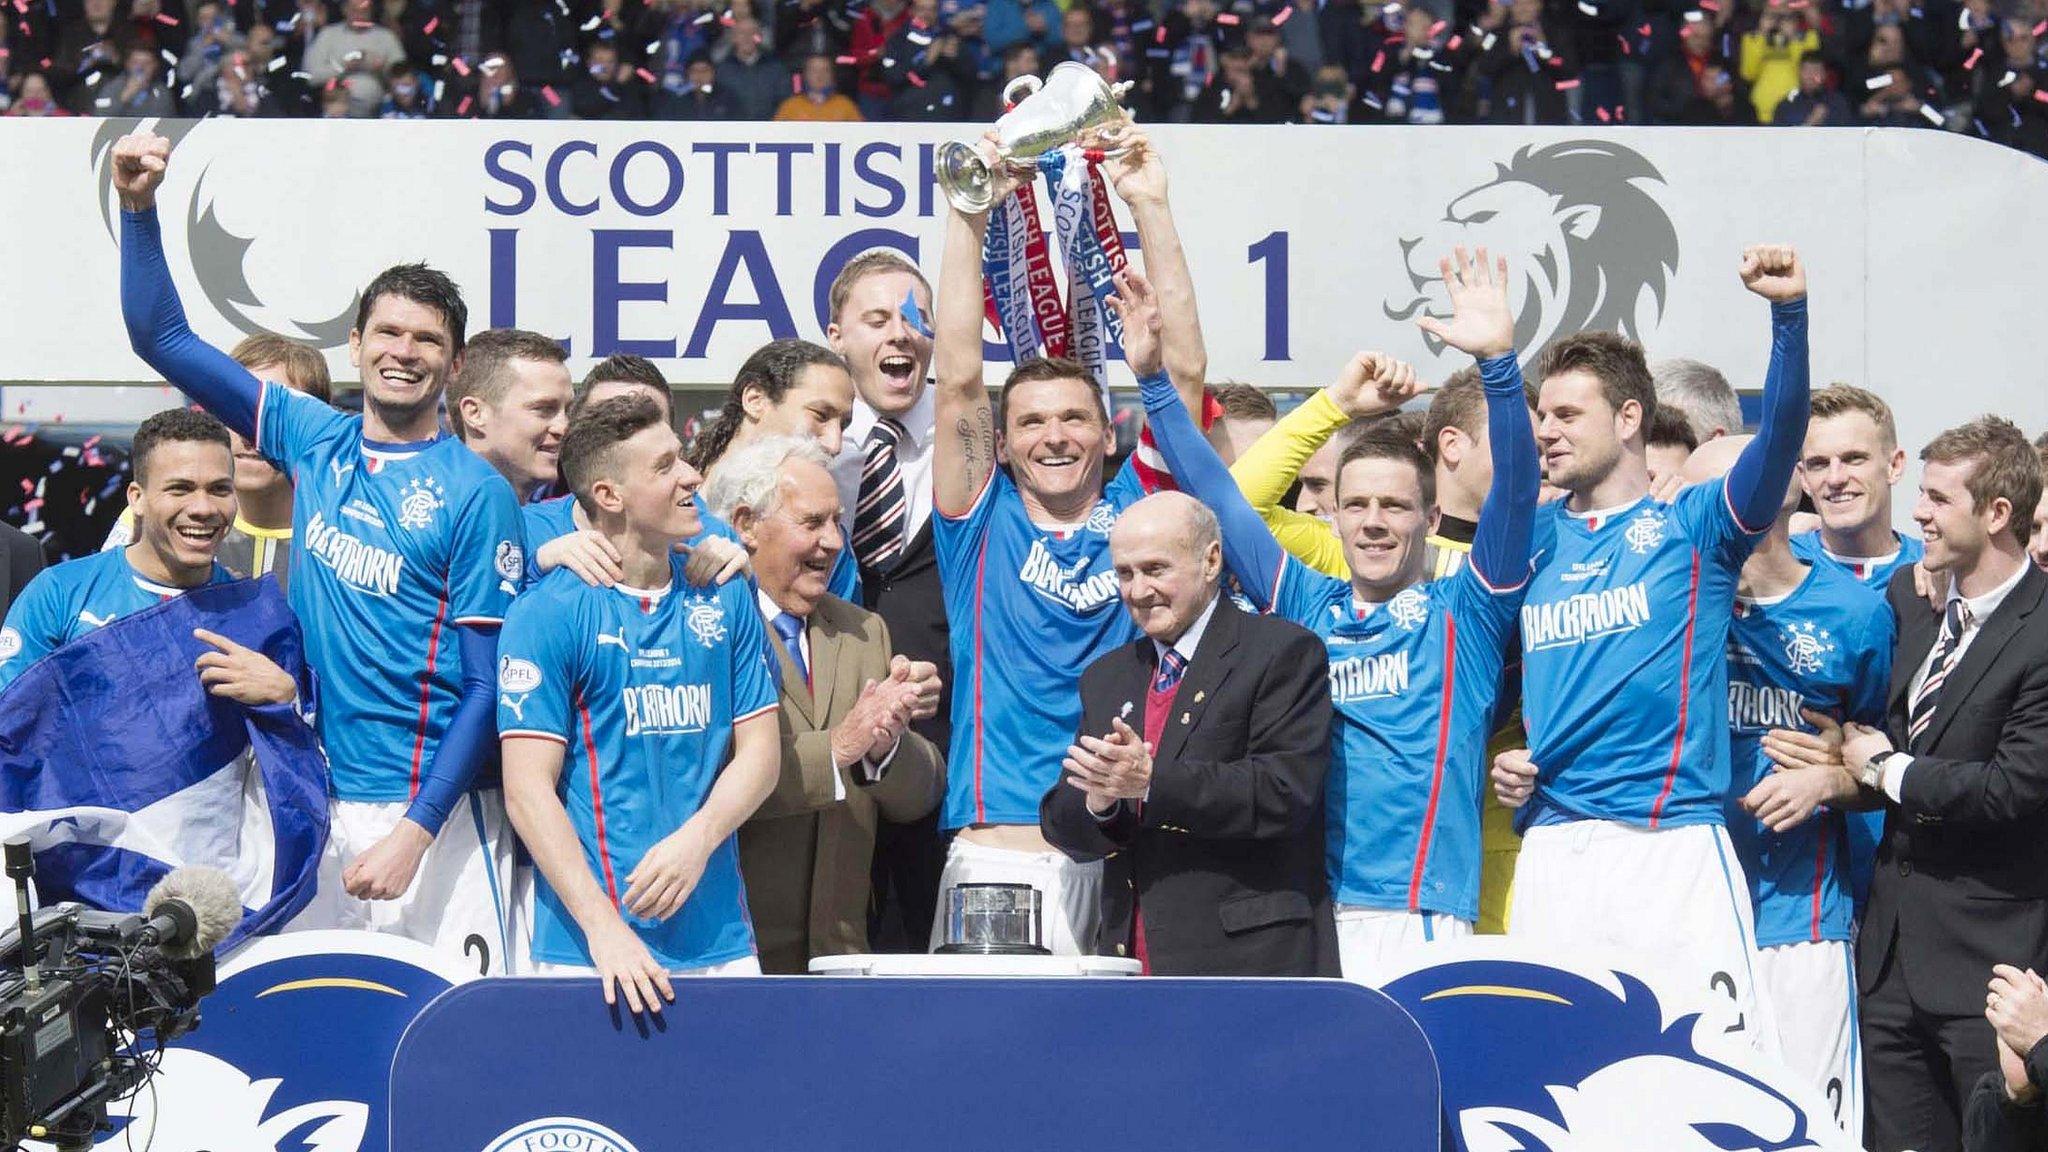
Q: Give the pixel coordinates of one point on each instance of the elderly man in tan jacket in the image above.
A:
(848, 753)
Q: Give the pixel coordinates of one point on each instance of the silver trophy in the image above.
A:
(1073, 104)
(994, 920)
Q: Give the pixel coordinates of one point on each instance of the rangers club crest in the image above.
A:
(706, 622)
(1807, 647)
(1645, 532)
(1409, 609)
(418, 501)
(1102, 518)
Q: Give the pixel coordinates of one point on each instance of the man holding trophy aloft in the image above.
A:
(1031, 595)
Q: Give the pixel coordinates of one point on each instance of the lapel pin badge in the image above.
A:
(1199, 696)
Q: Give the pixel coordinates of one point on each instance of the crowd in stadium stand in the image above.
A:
(1973, 67)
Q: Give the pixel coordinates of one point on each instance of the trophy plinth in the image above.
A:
(993, 920)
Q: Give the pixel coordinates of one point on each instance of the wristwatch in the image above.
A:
(1872, 775)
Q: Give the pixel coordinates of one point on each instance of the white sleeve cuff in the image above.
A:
(1894, 776)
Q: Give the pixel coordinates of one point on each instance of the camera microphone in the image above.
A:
(190, 912)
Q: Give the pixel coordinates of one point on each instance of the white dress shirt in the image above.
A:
(913, 459)
(1979, 609)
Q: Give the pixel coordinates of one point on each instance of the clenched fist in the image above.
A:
(140, 161)
(1773, 271)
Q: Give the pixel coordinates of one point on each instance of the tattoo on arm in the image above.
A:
(977, 445)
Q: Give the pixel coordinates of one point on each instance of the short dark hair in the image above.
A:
(421, 285)
(623, 368)
(587, 447)
(305, 370)
(1670, 429)
(1244, 401)
(2007, 465)
(868, 263)
(1460, 404)
(486, 367)
(1614, 360)
(1042, 369)
(174, 426)
(773, 369)
(1383, 443)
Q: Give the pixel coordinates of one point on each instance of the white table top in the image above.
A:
(966, 965)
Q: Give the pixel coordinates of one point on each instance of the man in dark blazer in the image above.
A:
(1197, 775)
(1961, 882)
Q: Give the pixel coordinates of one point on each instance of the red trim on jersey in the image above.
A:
(1820, 871)
(419, 736)
(980, 573)
(1436, 779)
(1692, 616)
(604, 853)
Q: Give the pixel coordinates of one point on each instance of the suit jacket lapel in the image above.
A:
(1916, 639)
(832, 687)
(1992, 637)
(1209, 668)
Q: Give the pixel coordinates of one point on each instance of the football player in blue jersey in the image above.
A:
(1808, 643)
(1624, 666)
(616, 707)
(183, 497)
(1022, 534)
(1850, 464)
(411, 552)
(557, 532)
(1415, 664)
(509, 402)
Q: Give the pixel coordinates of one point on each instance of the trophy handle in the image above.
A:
(1018, 89)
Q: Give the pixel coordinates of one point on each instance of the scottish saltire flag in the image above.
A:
(115, 758)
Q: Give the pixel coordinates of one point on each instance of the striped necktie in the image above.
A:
(882, 512)
(1921, 713)
(1171, 665)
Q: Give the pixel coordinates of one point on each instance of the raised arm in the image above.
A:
(149, 300)
(1139, 176)
(1483, 326)
(964, 455)
(1756, 484)
(1248, 548)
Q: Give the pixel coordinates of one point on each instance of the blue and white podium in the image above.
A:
(805, 1064)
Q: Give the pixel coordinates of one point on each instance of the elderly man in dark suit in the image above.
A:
(1962, 874)
(1197, 775)
(849, 756)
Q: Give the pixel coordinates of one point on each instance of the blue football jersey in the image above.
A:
(1826, 646)
(643, 688)
(396, 545)
(1413, 684)
(1873, 571)
(63, 603)
(1028, 609)
(1624, 662)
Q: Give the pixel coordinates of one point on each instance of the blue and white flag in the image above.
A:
(121, 766)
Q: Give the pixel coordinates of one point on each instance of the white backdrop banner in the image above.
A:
(694, 243)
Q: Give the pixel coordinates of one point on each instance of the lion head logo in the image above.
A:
(1585, 239)
(1610, 1072)
(219, 257)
